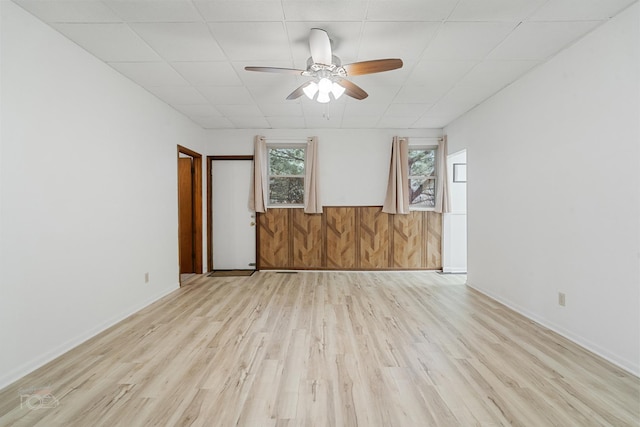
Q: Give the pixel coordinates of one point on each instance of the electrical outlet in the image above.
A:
(561, 299)
(146, 277)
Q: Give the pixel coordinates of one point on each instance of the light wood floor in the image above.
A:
(330, 348)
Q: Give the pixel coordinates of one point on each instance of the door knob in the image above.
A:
(252, 223)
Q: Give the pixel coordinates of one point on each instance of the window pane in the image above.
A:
(422, 162)
(286, 191)
(423, 192)
(286, 161)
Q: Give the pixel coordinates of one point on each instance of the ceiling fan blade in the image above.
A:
(352, 89)
(370, 67)
(298, 92)
(320, 46)
(275, 70)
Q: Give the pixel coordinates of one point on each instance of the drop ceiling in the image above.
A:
(191, 53)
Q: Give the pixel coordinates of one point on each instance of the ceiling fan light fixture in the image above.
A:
(323, 97)
(310, 90)
(325, 85)
(337, 90)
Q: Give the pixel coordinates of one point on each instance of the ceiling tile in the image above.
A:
(109, 42)
(320, 113)
(407, 110)
(243, 122)
(379, 94)
(150, 73)
(240, 11)
(69, 11)
(324, 11)
(181, 41)
(579, 10)
(219, 73)
(286, 122)
(466, 41)
(198, 110)
(415, 10)
(457, 101)
(276, 94)
(427, 122)
(395, 122)
(496, 74)
(540, 40)
(155, 11)
(226, 94)
(404, 40)
(239, 110)
(314, 122)
(428, 94)
(253, 40)
(357, 109)
(213, 122)
(290, 108)
(494, 10)
(439, 73)
(359, 122)
(178, 95)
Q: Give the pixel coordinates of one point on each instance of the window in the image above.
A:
(286, 174)
(422, 177)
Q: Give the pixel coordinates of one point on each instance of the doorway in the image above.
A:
(189, 212)
(454, 243)
(231, 238)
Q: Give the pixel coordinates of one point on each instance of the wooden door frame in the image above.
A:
(197, 206)
(210, 160)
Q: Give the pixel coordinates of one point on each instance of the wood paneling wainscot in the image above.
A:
(307, 239)
(409, 240)
(341, 237)
(349, 238)
(273, 239)
(373, 238)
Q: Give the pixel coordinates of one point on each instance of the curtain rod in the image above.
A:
(288, 139)
(439, 138)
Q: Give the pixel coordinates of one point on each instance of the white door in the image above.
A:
(234, 232)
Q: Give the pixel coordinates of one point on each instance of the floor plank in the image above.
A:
(327, 349)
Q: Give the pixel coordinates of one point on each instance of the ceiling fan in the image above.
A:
(329, 75)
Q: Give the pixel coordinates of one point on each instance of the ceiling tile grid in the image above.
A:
(191, 54)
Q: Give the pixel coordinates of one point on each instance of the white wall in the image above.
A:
(88, 194)
(553, 192)
(354, 163)
(454, 223)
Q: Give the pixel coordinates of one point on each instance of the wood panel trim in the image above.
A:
(379, 241)
(197, 204)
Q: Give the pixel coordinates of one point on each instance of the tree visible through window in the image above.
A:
(422, 177)
(286, 174)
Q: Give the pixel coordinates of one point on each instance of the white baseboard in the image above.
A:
(627, 365)
(454, 270)
(47, 357)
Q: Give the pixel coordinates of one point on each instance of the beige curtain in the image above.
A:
(443, 203)
(312, 203)
(259, 184)
(397, 199)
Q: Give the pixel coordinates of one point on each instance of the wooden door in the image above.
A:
(185, 214)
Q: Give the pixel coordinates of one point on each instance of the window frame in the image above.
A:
(434, 176)
(278, 145)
